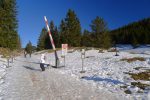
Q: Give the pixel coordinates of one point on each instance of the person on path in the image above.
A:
(25, 53)
(30, 53)
(42, 62)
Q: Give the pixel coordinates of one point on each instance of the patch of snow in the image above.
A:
(2, 74)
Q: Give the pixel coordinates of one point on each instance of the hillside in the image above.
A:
(133, 33)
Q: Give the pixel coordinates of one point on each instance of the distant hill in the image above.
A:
(134, 33)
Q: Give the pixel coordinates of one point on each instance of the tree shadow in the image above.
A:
(97, 79)
(31, 68)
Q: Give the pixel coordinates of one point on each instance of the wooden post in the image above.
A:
(7, 61)
(82, 57)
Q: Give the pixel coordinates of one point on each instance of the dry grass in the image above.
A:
(7, 53)
(129, 60)
(50, 51)
(141, 76)
(140, 85)
(133, 53)
(144, 76)
(47, 51)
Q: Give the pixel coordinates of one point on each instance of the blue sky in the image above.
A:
(115, 12)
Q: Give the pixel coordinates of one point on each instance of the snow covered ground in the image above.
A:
(106, 71)
(2, 74)
(104, 76)
(25, 81)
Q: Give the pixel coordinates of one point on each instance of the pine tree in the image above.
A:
(63, 34)
(98, 27)
(134, 42)
(19, 42)
(57, 38)
(106, 40)
(134, 33)
(54, 33)
(47, 42)
(86, 39)
(8, 24)
(42, 38)
(70, 29)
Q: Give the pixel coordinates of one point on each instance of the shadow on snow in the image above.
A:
(31, 68)
(97, 79)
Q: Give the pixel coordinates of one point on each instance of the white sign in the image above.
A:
(64, 49)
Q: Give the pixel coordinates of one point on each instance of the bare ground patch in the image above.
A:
(129, 60)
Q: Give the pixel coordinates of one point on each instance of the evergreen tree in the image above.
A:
(63, 34)
(147, 38)
(134, 42)
(134, 33)
(98, 27)
(8, 24)
(70, 29)
(106, 40)
(19, 42)
(86, 39)
(54, 33)
(57, 38)
(47, 40)
(42, 38)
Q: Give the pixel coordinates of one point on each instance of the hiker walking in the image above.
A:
(25, 53)
(28, 48)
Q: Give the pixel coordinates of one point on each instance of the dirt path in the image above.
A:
(25, 81)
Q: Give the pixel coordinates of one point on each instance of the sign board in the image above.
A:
(64, 49)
